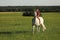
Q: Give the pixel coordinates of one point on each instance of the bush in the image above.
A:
(28, 13)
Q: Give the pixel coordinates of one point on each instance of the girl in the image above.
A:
(37, 14)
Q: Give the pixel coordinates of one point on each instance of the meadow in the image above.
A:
(14, 26)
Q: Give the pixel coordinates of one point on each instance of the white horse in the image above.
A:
(35, 23)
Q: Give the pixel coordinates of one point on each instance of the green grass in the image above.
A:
(14, 26)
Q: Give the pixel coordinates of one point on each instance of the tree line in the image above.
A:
(29, 8)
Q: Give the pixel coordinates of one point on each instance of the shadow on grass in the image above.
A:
(16, 32)
(5, 32)
(23, 31)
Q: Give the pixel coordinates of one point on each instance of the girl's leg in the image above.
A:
(38, 19)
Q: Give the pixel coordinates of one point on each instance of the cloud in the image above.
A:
(29, 2)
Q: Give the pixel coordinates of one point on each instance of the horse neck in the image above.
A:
(36, 19)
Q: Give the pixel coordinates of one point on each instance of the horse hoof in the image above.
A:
(44, 30)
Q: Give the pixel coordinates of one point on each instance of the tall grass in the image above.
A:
(14, 26)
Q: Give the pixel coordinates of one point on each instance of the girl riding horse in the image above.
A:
(38, 21)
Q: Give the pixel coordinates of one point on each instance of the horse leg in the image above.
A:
(38, 29)
(33, 28)
(44, 28)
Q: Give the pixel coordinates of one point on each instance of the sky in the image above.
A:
(29, 2)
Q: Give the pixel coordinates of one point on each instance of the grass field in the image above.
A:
(14, 26)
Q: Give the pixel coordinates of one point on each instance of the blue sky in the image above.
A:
(29, 2)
